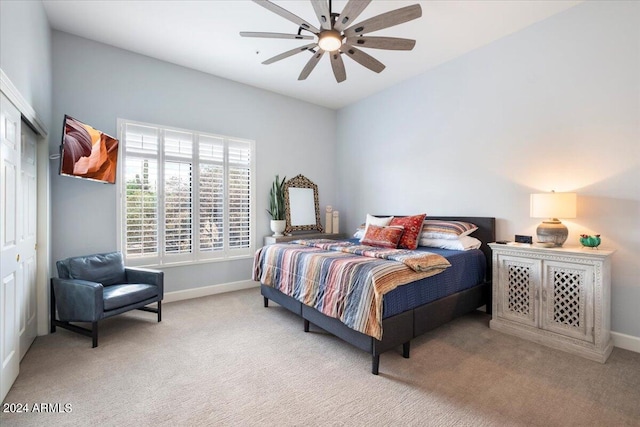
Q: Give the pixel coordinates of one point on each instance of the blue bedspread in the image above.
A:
(467, 270)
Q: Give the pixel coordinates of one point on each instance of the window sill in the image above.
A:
(190, 263)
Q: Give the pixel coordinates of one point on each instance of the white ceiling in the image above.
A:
(203, 35)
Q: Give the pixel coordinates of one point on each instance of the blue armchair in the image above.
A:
(94, 287)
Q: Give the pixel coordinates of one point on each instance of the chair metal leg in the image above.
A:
(306, 325)
(158, 310)
(266, 301)
(94, 334)
(52, 308)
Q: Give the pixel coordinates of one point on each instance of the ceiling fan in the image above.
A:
(338, 35)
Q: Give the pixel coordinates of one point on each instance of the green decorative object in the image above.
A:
(590, 241)
(276, 199)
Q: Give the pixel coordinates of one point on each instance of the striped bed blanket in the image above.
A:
(343, 280)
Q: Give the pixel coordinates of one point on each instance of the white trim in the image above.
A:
(627, 342)
(187, 263)
(208, 290)
(43, 232)
(44, 236)
(27, 111)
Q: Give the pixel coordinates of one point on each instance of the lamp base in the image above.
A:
(552, 231)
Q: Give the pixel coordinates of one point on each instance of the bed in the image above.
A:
(408, 310)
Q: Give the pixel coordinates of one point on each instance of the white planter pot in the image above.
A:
(278, 226)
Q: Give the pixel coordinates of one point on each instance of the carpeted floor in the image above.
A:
(226, 360)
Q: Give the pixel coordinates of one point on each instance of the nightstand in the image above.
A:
(558, 297)
(270, 240)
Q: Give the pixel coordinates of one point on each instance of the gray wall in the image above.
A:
(97, 84)
(555, 106)
(25, 53)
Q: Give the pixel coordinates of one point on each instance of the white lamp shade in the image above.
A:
(553, 205)
(329, 40)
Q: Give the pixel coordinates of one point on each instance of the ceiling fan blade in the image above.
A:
(322, 12)
(390, 43)
(311, 64)
(289, 53)
(287, 15)
(338, 66)
(351, 11)
(385, 20)
(275, 35)
(364, 59)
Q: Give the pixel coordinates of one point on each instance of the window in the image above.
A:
(185, 196)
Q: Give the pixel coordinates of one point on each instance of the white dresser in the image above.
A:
(559, 297)
(270, 240)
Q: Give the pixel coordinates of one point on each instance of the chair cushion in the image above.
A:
(107, 269)
(116, 296)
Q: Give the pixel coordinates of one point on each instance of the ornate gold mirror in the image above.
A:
(302, 210)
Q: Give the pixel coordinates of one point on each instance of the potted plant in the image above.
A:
(276, 207)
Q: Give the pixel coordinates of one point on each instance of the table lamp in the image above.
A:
(552, 206)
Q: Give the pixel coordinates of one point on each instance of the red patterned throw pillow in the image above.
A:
(385, 237)
(412, 228)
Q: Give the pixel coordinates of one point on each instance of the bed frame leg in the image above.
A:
(405, 349)
(489, 299)
(266, 301)
(306, 325)
(375, 363)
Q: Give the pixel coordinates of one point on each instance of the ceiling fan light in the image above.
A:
(330, 40)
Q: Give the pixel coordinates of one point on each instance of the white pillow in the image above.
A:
(375, 220)
(441, 229)
(463, 243)
(448, 236)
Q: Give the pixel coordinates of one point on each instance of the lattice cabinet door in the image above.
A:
(567, 299)
(518, 289)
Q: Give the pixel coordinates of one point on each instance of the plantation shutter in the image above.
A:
(211, 212)
(178, 204)
(141, 195)
(239, 179)
(185, 196)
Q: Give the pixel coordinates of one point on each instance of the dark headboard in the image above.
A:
(486, 233)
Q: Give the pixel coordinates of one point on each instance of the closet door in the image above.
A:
(10, 274)
(28, 198)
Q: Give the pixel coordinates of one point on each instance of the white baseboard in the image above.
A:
(208, 290)
(627, 342)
